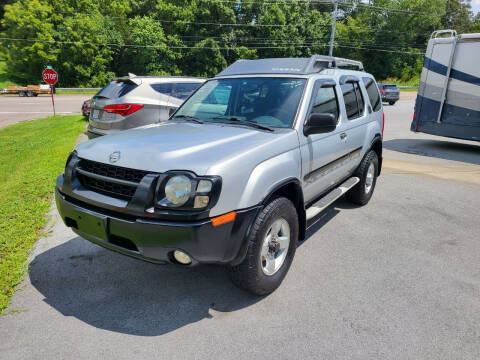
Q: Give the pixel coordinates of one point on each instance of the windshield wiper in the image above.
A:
(188, 117)
(244, 122)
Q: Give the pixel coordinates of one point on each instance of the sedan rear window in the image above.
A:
(116, 89)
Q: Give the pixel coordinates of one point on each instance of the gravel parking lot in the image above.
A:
(396, 279)
(14, 109)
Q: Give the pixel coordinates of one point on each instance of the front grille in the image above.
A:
(106, 187)
(112, 171)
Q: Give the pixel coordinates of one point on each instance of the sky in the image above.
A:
(475, 6)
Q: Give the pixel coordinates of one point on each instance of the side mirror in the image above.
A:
(320, 124)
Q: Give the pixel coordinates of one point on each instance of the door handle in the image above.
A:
(343, 136)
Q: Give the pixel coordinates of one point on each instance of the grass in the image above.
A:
(76, 92)
(32, 154)
(414, 82)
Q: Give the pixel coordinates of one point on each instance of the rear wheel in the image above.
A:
(21, 93)
(29, 93)
(367, 172)
(271, 248)
(391, 103)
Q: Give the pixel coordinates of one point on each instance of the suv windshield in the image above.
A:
(264, 101)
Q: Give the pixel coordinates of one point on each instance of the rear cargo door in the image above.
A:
(107, 96)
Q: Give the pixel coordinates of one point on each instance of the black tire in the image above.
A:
(249, 275)
(358, 194)
(21, 93)
(29, 93)
(391, 103)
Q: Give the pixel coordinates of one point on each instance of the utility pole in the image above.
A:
(334, 24)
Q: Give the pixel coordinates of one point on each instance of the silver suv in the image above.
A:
(237, 174)
(134, 101)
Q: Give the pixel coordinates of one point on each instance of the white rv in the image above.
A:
(448, 100)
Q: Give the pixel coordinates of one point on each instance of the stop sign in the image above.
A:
(50, 76)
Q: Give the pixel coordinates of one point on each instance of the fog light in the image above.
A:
(181, 257)
(201, 201)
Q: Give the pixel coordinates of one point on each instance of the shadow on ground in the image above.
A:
(114, 292)
(117, 293)
(442, 149)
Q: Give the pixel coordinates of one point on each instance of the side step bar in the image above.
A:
(333, 195)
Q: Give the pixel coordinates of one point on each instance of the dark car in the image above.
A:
(86, 108)
(390, 93)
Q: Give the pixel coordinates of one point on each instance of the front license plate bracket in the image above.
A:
(91, 224)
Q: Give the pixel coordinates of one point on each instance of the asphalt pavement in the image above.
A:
(396, 279)
(14, 108)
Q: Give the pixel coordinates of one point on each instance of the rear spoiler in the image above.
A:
(131, 78)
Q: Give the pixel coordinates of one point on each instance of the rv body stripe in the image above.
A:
(453, 115)
(441, 69)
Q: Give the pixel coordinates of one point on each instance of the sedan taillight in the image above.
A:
(122, 109)
(382, 92)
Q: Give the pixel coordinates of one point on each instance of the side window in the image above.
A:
(360, 101)
(350, 100)
(325, 101)
(183, 90)
(163, 88)
(353, 98)
(373, 93)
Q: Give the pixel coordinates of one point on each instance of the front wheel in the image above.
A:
(391, 103)
(271, 247)
(367, 172)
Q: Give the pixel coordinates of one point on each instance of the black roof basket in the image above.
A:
(299, 66)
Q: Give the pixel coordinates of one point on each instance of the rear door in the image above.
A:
(164, 92)
(357, 117)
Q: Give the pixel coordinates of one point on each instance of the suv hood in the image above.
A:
(186, 146)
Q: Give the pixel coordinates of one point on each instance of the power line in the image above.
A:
(159, 47)
(320, 2)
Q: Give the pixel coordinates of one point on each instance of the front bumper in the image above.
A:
(93, 132)
(155, 240)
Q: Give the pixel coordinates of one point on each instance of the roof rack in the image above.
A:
(299, 66)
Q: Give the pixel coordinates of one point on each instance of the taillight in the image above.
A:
(383, 122)
(122, 109)
(382, 92)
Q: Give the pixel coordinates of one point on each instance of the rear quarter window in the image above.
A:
(183, 90)
(163, 88)
(373, 93)
(116, 89)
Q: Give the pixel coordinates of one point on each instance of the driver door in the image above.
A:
(323, 155)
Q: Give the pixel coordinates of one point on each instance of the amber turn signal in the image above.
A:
(223, 219)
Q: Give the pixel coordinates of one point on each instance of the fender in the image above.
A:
(377, 145)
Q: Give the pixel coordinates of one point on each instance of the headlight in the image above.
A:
(178, 189)
(186, 191)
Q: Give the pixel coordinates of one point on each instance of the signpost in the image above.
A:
(50, 76)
